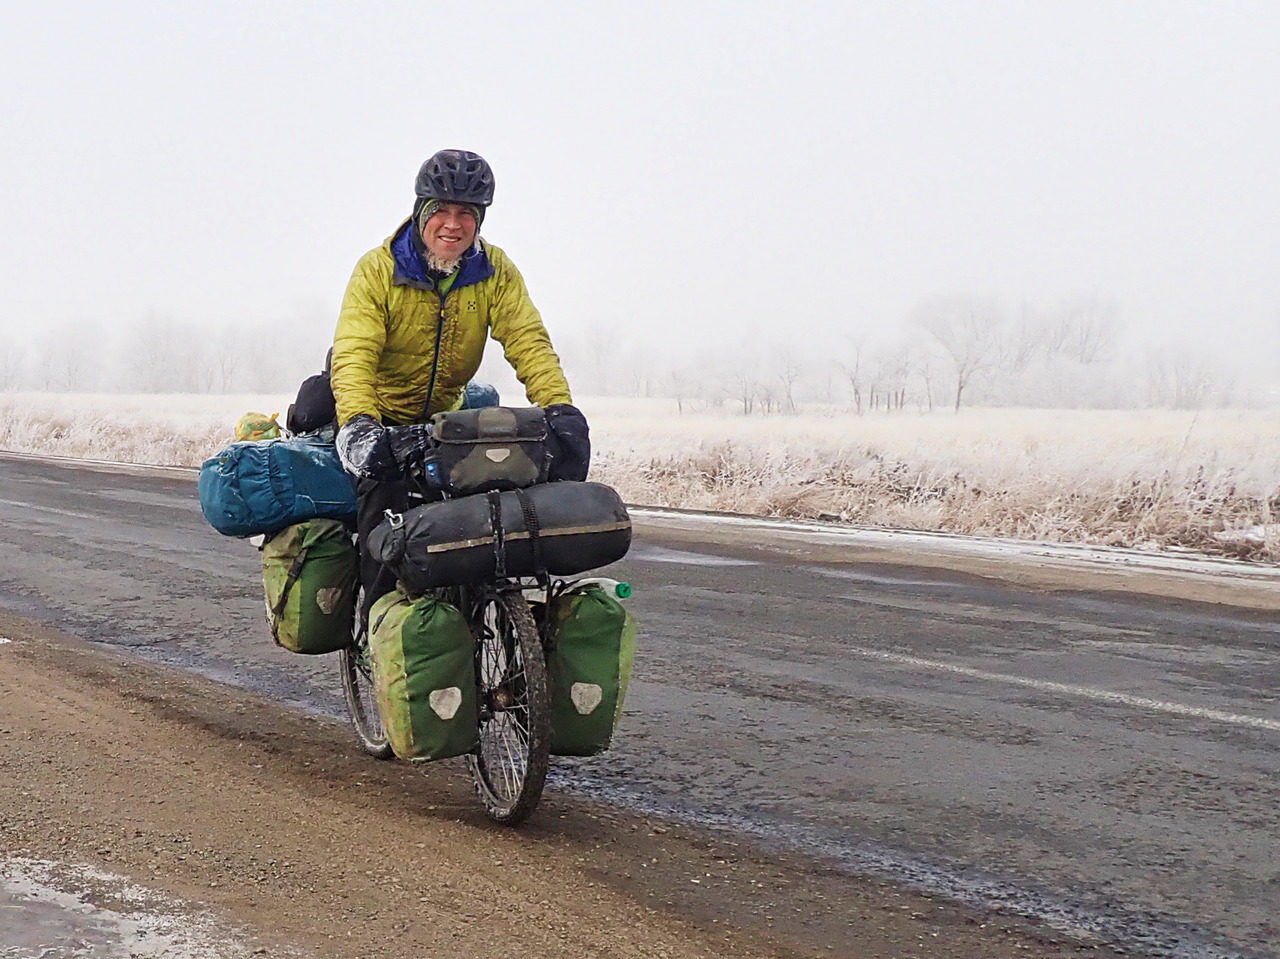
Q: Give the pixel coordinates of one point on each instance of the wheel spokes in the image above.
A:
(509, 765)
(504, 737)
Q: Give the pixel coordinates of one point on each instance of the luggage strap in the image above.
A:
(533, 529)
(295, 571)
(532, 526)
(499, 535)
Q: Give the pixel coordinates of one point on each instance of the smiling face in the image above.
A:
(449, 231)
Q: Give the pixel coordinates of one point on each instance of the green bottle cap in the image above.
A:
(622, 590)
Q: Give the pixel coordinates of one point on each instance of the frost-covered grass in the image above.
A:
(1207, 481)
(167, 429)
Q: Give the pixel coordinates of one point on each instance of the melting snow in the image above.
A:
(51, 909)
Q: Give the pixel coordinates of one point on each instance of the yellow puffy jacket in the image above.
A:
(385, 346)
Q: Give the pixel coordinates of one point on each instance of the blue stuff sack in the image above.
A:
(262, 487)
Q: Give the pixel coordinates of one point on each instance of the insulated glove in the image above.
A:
(569, 438)
(364, 447)
(409, 444)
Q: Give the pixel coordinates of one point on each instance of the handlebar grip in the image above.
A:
(409, 444)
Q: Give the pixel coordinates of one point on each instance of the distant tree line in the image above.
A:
(157, 354)
(952, 352)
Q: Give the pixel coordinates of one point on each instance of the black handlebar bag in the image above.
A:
(494, 448)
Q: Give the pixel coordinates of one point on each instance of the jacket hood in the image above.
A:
(410, 270)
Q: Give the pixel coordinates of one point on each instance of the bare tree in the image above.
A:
(227, 359)
(1027, 342)
(746, 389)
(1084, 330)
(968, 329)
(12, 359)
(924, 366)
(1179, 380)
(788, 374)
(897, 368)
(853, 372)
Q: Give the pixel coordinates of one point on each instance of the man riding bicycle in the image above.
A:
(412, 332)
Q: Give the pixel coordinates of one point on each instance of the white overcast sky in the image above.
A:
(776, 170)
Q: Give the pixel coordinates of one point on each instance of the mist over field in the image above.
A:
(749, 204)
(998, 268)
(955, 351)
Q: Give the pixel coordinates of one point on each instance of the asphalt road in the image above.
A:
(1103, 760)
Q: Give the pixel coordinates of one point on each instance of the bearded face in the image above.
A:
(447, 234)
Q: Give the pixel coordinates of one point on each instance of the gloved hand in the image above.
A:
(570, 440)
(409, 444)
(365, 449)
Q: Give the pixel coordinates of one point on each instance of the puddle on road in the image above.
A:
(52, 910)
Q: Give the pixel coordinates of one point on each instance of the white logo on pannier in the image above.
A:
(498, 455)
(445, 702)
(328, 599)
(586, 697)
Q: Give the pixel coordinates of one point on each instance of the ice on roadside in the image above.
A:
(53, 909)
(1249, 536)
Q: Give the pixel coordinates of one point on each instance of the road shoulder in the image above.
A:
(272, 819)
(1051, 567)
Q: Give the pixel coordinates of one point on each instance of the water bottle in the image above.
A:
(613, 587)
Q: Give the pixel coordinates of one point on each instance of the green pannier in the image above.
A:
(424, 677)
(309, 573)
(593, 646)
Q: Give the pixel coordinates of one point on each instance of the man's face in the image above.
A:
(450, 231)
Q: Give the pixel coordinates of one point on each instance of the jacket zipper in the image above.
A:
(435, 360)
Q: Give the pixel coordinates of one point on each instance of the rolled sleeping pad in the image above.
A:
(580, 526)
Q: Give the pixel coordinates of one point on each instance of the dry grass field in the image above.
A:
(1206, 481)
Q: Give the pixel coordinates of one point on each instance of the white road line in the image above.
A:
(79, 461)
(47, 509)
(963, 545)
(1083, 692)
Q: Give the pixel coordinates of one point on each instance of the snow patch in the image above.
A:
(1250, 536)
(77, 911)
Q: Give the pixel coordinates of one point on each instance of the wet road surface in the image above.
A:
(1105, 761)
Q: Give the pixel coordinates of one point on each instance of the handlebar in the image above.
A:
(409, 446)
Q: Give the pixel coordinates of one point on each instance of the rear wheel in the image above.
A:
(509, 766)
(356, 671)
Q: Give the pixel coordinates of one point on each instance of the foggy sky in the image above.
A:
(778, 171)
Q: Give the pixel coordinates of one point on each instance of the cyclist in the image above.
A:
(412, 331)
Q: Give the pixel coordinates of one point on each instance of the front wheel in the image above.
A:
(509, 766)
(356, 672)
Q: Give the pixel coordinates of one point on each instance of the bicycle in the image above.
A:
(509, 764)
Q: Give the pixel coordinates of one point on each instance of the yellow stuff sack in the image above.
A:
(257, 426)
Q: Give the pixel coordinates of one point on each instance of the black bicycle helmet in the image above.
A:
(456, 176)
